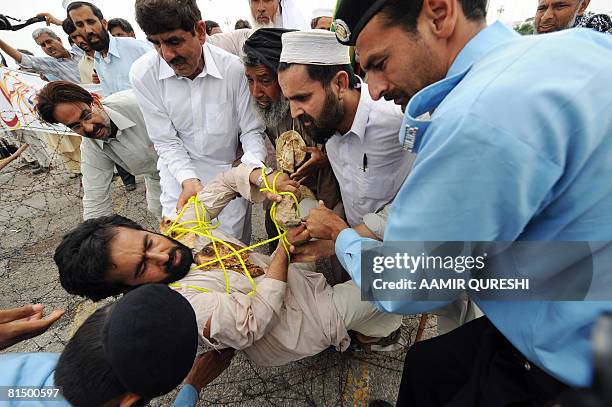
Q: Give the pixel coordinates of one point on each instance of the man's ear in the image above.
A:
(341, 82)
(200, 31)
(128, 400)
(440, 17)
(105, 24)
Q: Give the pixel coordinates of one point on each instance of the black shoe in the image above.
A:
(379, 403)
(130, 187)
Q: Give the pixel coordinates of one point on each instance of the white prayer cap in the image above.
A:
(313, 47)
(66, 3)
(322, 12)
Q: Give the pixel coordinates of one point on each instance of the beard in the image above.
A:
(322, 129)
(274, 114)
(102, 43)
(179, 271)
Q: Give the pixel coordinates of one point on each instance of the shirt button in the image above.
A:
(527, 366)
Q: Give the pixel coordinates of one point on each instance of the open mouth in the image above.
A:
(99, 133)
(177, 258)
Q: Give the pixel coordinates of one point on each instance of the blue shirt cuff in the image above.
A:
(187, 397)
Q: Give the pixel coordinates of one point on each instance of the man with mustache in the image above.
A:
(86, 64)
(114, 55)
(510, 147)
(261, 57)
(114, 133)
(558, 15)
(335, 108)
(286, 313)
(196, 103)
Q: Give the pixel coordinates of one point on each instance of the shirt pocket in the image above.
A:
(221, 134)
(376, 187)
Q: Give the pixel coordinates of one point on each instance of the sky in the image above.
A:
(224, 12)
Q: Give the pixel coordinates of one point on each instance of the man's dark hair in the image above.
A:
(57, 92)
(314, 22)
(94, 9)
(68, 26)
(83, 257)
(325, 73)
(242, 24)
(121, 23)
(161, 16)
(210, 24)
(405, 13)
(83, 372)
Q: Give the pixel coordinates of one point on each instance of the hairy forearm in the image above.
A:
(278, 266)
(10, 51)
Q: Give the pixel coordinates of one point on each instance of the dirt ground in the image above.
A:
(37, 210)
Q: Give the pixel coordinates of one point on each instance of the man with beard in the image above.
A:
(285, 314)
(114, 133)
(86, 64)
(360, 135)
(513, 151)
(262, 53)
(60, 62)
(558, 15)
(195, 99)
(277, 14)
(114, 55)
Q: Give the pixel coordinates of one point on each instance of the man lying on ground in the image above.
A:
(292, 314)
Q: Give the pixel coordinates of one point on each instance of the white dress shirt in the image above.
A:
(130, 148)
(372, 140)
(196, 125)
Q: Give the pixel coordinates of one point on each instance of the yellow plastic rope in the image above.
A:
(201, 227)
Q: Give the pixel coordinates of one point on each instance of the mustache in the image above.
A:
(92, 134)
(178, 60)
(305, 117)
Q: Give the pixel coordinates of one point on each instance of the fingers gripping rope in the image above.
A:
(201, 226)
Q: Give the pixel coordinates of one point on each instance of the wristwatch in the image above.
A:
(260, 179)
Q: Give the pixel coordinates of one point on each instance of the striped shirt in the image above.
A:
(66, 69)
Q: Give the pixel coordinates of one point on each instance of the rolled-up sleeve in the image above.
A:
(227, 186)
(238, 320)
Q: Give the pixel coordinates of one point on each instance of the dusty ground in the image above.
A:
(37, 210)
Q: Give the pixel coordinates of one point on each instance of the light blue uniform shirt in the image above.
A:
(114, 70)
(37, 369)
(519, 147)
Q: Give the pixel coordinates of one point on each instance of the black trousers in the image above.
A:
(126, 177)
(473, 366)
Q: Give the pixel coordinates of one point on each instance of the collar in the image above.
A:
(210, 66)
(75, 51)
(120, 121)
(362, 114)
(113, 48)
(428, 99)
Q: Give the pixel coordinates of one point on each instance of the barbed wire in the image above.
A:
(37, 210)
